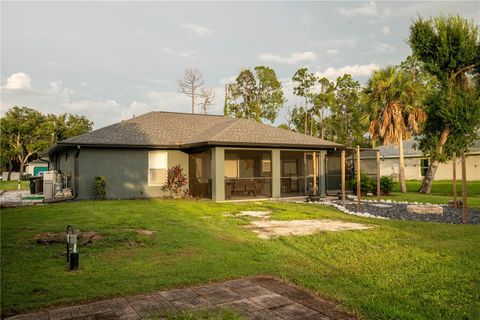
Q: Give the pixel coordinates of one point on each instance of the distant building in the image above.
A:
(416, 164)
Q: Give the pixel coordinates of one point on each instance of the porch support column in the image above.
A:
(321, 172)
(218, 174)
(276, 184)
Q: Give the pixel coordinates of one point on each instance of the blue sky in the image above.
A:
(111, 60)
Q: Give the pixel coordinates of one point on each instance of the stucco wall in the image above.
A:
(444, 171)
(126, 172)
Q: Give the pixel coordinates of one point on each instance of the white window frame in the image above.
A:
(157, 160)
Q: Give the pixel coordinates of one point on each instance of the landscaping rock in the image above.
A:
(459, 203)
(424, 209)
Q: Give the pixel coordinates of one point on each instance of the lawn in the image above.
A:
(442, 192)
(442, 187)
(398, 270)
(13, 185)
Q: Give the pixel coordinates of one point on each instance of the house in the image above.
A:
(416, 164)
(224, 158)
(34, 167)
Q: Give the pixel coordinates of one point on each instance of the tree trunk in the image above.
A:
(432, 168)
(22, 167)
(193, 99)
(306, 118)
(403, 186)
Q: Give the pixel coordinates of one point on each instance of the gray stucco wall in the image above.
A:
(126, 172)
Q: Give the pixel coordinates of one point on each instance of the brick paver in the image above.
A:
(255, 298)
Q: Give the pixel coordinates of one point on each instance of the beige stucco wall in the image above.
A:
(389, 166)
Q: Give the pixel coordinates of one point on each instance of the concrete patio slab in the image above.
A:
(254, 298)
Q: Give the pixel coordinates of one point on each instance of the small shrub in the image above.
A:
(366, 184)
(100, 187)
(386, 185)
(176, 180)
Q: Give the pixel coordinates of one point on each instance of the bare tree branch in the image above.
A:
(189, 83)
(207, 96)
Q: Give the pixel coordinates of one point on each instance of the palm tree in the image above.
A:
(393, 98)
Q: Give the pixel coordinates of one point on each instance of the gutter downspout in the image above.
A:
(76, 172)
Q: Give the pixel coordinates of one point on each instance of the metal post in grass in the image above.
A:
(454, 177)
(359, 181)
(378, 175)
(342, 166)
(464, 189)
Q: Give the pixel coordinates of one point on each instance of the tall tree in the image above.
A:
(25, 133)
(394, 99)
(255, 96)
(347, 123)
(304, 82)
(449, 47)
(207, 98)
(64, 126)
(322, 101)
(192, 80)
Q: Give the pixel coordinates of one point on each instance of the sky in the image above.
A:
(110, 61)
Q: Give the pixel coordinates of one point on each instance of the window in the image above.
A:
(424, 164)
(157, 167)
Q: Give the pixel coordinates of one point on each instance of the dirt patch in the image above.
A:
(145, 232)
(255, 214)
(267, 229)
(84, 238)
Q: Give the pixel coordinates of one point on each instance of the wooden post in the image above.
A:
(454, 174)
(359, 181)
(378, 175)
(464, 189)
(342, 166)
(315, 173)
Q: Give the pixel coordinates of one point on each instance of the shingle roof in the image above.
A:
(184, 130)
(409, 149)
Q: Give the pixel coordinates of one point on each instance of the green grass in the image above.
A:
(398, 270)
(13, 185)
(442, 187)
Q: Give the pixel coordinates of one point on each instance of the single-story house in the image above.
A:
(224, 158)
(416, 164)
(34, 167)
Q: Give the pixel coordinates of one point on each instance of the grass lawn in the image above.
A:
(13, 185)
(442, 187)
(399, 270)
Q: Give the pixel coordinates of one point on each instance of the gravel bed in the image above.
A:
(398, 211)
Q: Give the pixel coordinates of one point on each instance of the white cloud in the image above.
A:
(355, 70)
(18, 81)
(366, 9)
(306, 18)
(386, 30)
(197, 29)
(294, 58)
(380, 47)
(333, 51)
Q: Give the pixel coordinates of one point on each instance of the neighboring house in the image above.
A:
(224, 158)
(35, 167)
(416, 164)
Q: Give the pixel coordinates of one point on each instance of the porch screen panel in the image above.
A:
(248, 174)
(200, 175)
(292, 173)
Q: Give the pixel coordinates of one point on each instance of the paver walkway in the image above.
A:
(255, 298)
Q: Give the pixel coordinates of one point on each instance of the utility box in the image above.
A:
(49, 184)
